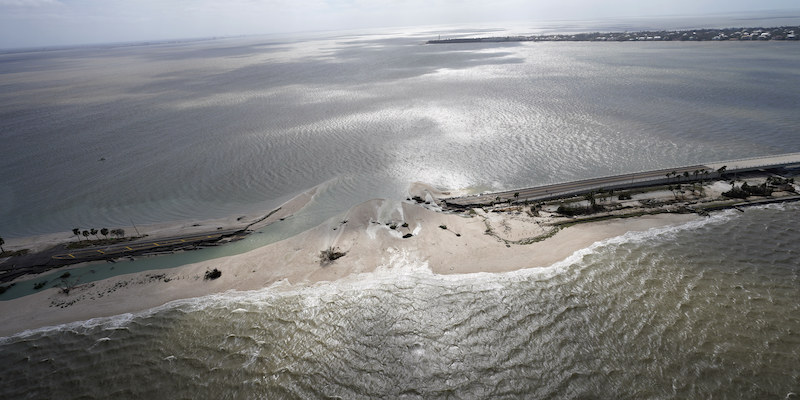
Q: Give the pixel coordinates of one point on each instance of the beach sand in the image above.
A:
(368, 234)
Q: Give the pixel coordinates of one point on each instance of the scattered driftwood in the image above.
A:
(67, 285)
(330, 255)
(213, 274)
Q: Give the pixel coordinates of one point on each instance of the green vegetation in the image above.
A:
(572, 211)
(785, 184)
(704, 34)
(746, 190)
(119, 233)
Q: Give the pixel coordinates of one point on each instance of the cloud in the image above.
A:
(50, 22)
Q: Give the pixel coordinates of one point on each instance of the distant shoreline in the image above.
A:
(784, 33)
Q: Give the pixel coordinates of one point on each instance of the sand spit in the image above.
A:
(54, 243)
(367, 234)
(169, 229)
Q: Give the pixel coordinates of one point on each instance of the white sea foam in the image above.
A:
(398, 266)
(670, 230)
(107, 323)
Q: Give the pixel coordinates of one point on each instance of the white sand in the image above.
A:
(365, 237)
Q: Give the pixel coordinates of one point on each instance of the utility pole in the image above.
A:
(134, 227)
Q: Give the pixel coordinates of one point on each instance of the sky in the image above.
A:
(34, 23)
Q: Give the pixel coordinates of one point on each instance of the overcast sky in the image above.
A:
(27, 23)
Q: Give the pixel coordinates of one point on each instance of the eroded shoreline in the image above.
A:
(498, 238)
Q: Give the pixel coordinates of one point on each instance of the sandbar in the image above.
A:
(368, 233)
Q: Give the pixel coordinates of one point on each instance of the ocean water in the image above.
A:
(703, 310)
(106, 136)
(101, 136)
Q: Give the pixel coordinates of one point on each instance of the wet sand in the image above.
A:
(368, 233)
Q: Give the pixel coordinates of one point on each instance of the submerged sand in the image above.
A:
(368, 233)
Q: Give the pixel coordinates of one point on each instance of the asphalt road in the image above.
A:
(122, 249)
(577, 187)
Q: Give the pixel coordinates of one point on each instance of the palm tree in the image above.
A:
(77, 232)
(590, 198)
(85, 234)
(2, 242)
(104, 232)
(94, 232)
